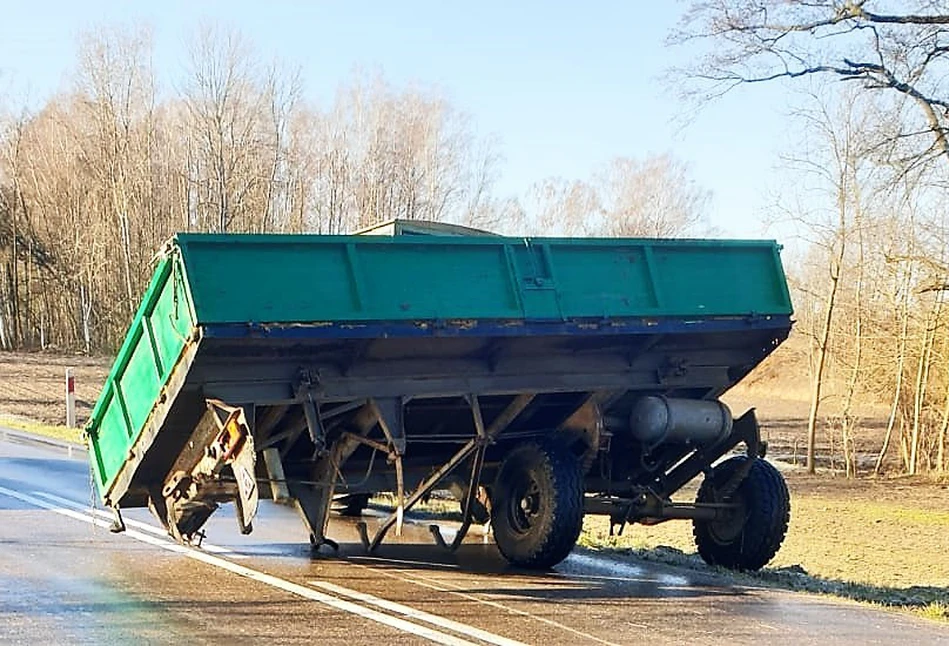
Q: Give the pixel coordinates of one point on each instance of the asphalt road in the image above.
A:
(65, 579)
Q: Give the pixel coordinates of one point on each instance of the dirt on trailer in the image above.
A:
(33, 385)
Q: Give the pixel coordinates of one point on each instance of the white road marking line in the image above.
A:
(419, 615)
(390, 561)
(267, 579)
(453, 589)
(152, 529)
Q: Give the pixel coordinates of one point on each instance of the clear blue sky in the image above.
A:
(565, 86)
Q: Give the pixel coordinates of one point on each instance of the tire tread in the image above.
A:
(766, 522)
(555, 543)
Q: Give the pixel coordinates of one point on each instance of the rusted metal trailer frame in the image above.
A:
(537, 379)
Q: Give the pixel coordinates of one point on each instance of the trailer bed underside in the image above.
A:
(431, 369)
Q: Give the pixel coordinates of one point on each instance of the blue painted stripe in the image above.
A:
(494, 328)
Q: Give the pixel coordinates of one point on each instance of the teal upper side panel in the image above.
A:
(302, 279)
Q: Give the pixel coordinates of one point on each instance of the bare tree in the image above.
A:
(848, 419)
(95, 180)
(941, 465)
(504, 216)
(653, 197)
(902, 53)
(563, 207)
(384, 153)
(238, 114)
(837, 161)
(117, 94)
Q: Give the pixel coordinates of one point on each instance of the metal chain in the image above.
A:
(92, 487)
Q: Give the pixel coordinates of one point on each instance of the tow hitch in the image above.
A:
(217, 466)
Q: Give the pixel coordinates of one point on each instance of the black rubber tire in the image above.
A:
(537, 504)
(351, 504)
(751, 537)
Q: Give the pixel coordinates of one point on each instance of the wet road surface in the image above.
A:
(65, 579)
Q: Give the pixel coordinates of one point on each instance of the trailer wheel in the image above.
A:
(351, 504)
(537, 504)
(749, 538)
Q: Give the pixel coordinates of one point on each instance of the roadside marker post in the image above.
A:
(70, 399)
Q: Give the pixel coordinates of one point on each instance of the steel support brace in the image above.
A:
(279, 492)
(389, 417)
(388, 413)
(476, 446)
(312, 506)
(745, 429)
(653, 506)
(118, 524)
(421, 491)
(314, 424)
(378, 446)
(477, 463)
(313, 501)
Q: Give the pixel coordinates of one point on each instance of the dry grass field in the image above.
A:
(877, 540)
(33, 385)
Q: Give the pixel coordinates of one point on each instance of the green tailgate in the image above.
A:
(222, 280)
(152, 348)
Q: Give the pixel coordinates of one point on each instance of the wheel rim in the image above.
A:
(523, 506)
(727, 530)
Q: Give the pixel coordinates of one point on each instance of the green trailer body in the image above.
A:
(277, 324)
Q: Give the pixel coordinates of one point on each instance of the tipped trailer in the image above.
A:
(538, 379)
